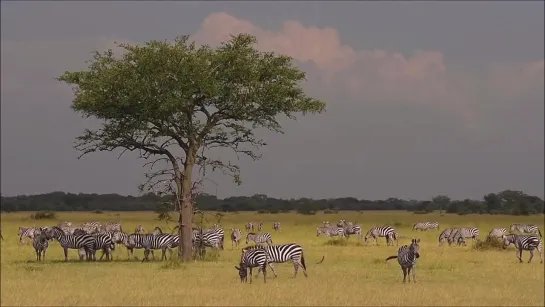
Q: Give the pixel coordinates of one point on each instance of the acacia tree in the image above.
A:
(172, 101)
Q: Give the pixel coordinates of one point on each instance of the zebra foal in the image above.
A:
(406, 257)
(259, 238)
(40, 244)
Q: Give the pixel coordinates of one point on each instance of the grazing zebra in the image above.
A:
(72, 241)
(276, 226)
(525, 228)
(497, 233)
(249, 226)
(104, 242)
(406, 257)
(283, 253)
(331, 231)
(40, 244)
(236, 236)
(524, 242)
(391, 237)
(252, 259)
(259, 238)
(161, 241)
(91, 227)
(466, 232)
(380, 231)
(444, 235)
(422, 226)
(27, 232)
(139, 229)
(134, 241)
(260, 227)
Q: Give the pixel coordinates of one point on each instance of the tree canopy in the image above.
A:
(173, 101)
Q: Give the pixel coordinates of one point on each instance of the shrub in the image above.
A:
(43, 215)
(262, 211)
(97, 211)
(490, 243)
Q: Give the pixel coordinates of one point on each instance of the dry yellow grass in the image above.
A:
(350, 275)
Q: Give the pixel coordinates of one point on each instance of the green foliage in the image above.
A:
(43, 215)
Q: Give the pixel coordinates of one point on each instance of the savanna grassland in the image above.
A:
(352, 274)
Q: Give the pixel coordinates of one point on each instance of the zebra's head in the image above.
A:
(319, 231)
(249, 237)
(415, 247)
(242, 272)
(508, 239)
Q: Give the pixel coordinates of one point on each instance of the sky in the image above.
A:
(423, 98)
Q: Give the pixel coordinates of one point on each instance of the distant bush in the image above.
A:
(43, 215)
(262, 211)
(97, 211)
(420, 212)
(490, 243)
(330, 211)
(336, 242)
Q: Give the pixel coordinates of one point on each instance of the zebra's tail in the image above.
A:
(391, 257)
(539, 231)
(303, 262)
(323, 257)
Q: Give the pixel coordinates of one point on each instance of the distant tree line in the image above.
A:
(505, 202)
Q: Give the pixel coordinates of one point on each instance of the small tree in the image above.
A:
(172, 101)
(442, 202)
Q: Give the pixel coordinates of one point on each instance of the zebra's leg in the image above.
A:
(531, 256)
(43, 255)
(519, 254)
(264, 269)
(152, 255)
(404, 273)
(414, 274)
(251, 274)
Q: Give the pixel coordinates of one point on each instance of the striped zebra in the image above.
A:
(326, 223)
(522, 228)
(112, 226)
(423, 226)
(104, 242)
(283, 253)
(134, 241)
(27, 232)
(161, 241)
(391, 237)
(259, 238)
(139, 229)
(249, 226)
(351, 229)
(236, 236)
(255, 258)
(497, 233)
(260, 227)
(341, 223)
(380, 231)
(72, 241)
(65, 226)
(91, 227)
(524, 242)
(406, 257)
(276, 226)
(466, 232)
(203, 239)
(40, 244)
(443, 237)
(331, 231)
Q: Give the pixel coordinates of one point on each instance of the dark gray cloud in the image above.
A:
(423, 98)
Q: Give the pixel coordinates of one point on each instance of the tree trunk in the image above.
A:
(186, 212)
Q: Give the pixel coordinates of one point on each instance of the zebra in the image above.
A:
(112, 226)
(466, 232)
(525, 228)
(283, 253)
(331, 231)
(524, 242)
(104, 242)
(40, 244)
(351, 229)
(206, 238)
(406, 257)
(139, 229)
(249, 226)
(391, 237)
(259, 238)
(276, 226)
(326, 224)
(497, 233)
(236, 236)
(72, 241)
(380, 231)
(65, 226)
(251, 259)
(422, 226)
(26, 232)
(161, 241)
(134, 241)
(91, 227)
(444, 235)
(260, 227)
(341, 223)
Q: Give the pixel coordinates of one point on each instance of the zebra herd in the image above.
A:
(93, 236)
